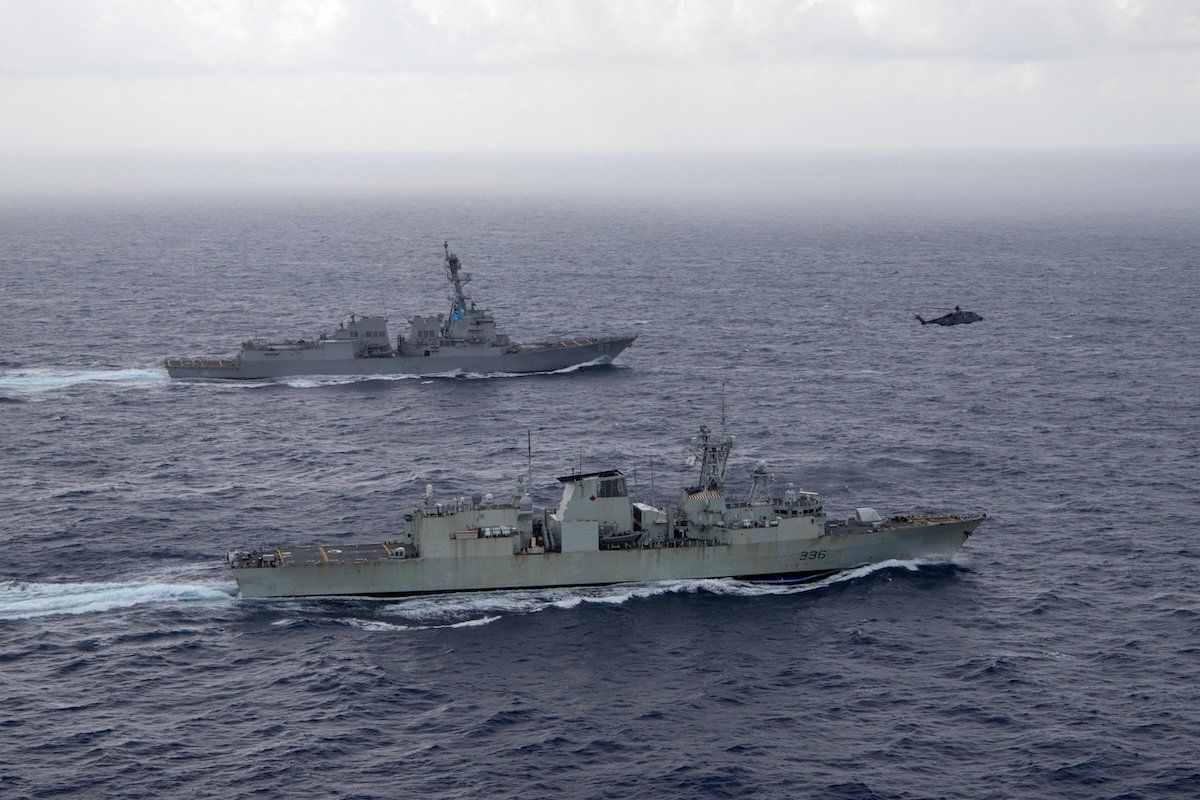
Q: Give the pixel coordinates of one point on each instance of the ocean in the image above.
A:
(1057, 656)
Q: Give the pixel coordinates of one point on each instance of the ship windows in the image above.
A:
(611, 487)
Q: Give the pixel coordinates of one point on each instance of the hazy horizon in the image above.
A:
(952, 179)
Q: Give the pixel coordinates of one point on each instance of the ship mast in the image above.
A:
(458, 301)
(712, 451)
(761, 480)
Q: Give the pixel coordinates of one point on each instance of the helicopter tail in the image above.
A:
(923, 322)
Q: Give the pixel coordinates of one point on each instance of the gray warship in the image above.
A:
(599, 535)
(464, 340)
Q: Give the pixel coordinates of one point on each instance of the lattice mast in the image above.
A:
(761, 481)
(712, 451)
(458, 300)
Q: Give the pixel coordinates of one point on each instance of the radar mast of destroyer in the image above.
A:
(458, 301)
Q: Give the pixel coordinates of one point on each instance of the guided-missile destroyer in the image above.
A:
(464, 340)
(599, 535)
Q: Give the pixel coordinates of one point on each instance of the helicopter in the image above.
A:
(955, 317)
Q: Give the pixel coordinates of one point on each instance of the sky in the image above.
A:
(596, 76)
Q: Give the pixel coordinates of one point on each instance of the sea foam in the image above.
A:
(48, 379)
(21, 600)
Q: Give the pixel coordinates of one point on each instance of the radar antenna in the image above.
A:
(453, 265)
(723, 407)
(761, 481)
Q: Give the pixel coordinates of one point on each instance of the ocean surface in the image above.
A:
(1057, 656)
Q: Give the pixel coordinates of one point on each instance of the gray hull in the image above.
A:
(476, 565)
(546, 358)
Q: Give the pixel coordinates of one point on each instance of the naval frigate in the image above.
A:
(599, 535)
(464, 340)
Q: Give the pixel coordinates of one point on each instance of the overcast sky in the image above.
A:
(472, 76)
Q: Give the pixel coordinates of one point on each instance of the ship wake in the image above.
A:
(46, 379)
(49, 379)
(465, 609)
(313, 381)
(28, 600)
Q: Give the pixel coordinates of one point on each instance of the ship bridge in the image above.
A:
(594, 506)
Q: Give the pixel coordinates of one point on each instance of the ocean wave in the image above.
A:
(531, 601)
(47, 379)
(42, 379)
(379, 625)
(21, 600)
(312, 381)
(470, 609)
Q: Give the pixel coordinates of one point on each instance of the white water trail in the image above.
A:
(378, 625)
(314, 381)
(473, 609)
(49, 379)
(532, 601)
(21, 600)
(45, 379)
(335, 380)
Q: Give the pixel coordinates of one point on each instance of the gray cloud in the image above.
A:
(557, 75)
(74, 38)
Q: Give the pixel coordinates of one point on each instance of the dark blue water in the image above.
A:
(1059, 656)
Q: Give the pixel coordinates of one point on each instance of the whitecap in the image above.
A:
(471, 623)
(383, 626)
(375, 624)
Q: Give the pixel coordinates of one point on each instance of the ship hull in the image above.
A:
(541, 359)
(767, 560)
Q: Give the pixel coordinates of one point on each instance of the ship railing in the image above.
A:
(203, 363)
(715, 540)
(930, 519)
(295, 344)
(571, 341)
(444, 508)
(841, 526)
(802, 505)
(253, 559)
